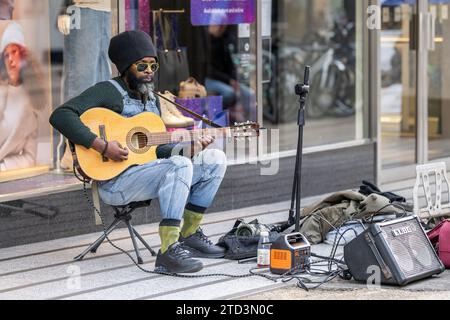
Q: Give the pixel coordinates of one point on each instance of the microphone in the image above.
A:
(303, 89)
(306, 80)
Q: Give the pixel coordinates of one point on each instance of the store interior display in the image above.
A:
(191, 89)
(25, 143)
(86, 27)
(173, 61)
(210, 106)
(194, 97)
(218, 57)
(85, 44)
(185, 51)
(175, 74)
(171, 116)
(18, 115)
(137, 15)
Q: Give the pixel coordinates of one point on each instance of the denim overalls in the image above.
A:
(175, 182)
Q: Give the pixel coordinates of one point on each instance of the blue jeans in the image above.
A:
(175, 182)
(86, 59)
(246, 96)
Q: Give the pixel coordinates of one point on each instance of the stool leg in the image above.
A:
(144, 242)
(133, 238)
(93, 247)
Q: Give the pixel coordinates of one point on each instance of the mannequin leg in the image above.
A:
(81, 54)
(104, 73)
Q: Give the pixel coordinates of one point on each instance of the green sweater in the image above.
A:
(66, 118)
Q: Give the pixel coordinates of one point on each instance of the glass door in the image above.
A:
(413, 95)
(398, 100)
(438, 80)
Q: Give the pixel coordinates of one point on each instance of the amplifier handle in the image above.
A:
(384, 268)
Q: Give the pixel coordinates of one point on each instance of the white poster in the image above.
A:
(266, 18)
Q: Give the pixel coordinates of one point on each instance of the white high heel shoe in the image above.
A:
(175, 111)
(169, 119)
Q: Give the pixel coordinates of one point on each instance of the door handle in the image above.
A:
(431, 31)
(413, 32)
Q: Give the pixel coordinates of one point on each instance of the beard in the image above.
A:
(140, 84)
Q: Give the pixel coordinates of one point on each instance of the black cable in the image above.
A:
(304, 282)
(160, 272)
(330, 261)
(331, 274)
(405, 213)
(293, 274)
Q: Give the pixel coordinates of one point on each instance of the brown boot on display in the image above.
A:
(190, 89)
(169, 119)
(189, 122)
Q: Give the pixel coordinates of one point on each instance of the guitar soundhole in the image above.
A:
(139, 140)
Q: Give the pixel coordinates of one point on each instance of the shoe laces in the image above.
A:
(202, 236)
(180, 252)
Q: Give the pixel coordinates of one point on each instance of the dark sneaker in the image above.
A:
(201, 247)
(177, 260)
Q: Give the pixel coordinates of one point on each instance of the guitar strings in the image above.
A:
(166, 137)
(160, 138)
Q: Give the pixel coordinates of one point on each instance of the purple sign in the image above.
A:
(220, 12)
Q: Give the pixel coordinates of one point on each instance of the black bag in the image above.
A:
(239, 247)
(173, 61)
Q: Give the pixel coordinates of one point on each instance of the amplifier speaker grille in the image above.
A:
(412, 251)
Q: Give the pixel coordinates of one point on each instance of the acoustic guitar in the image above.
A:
(141, 134)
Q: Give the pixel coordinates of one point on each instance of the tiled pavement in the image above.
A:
(46, 270)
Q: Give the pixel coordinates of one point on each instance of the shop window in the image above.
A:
(25, 100)
(207, 57)
(137, 15)
(326, 35)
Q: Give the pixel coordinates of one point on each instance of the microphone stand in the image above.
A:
(302, 90)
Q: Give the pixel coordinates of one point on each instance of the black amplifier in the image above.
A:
(399, 249)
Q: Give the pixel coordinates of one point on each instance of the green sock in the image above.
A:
(191, 223)
(168, 235)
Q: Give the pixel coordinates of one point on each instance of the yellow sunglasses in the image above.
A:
(142, 66)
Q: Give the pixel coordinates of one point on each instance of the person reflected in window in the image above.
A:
(21, 99)
(222, 76)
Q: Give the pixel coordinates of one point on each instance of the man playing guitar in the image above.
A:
(185, 187)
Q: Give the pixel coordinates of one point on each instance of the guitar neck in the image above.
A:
(156, 139)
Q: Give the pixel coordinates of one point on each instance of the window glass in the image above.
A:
(326, 35)
(25, 139)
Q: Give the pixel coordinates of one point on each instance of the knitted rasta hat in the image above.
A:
(129, 47)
